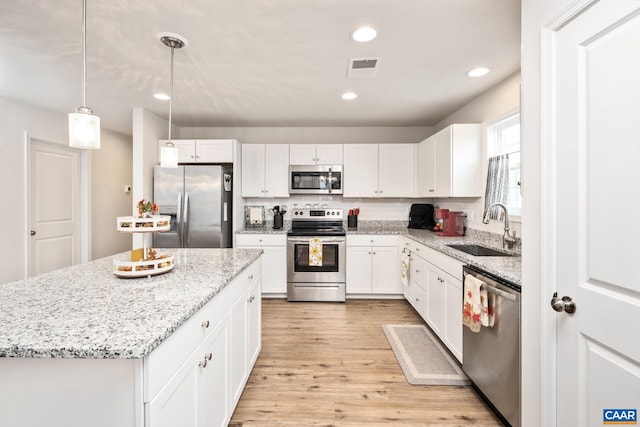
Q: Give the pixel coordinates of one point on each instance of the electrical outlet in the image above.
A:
(127, 189)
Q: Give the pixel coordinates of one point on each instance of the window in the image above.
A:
(503, 137)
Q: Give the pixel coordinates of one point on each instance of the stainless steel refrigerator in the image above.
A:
(199, 200)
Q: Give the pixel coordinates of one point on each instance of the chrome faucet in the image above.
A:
(508, 238)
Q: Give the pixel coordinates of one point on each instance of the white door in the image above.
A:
(54, 207)
(596, 52)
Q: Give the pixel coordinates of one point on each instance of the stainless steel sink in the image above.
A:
(478, 250)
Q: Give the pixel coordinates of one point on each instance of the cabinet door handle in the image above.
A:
(251, 277)
(251, 298)
(205, 324)
(374, 253)
(417, 271)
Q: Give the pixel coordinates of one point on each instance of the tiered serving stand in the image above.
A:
(161, 263)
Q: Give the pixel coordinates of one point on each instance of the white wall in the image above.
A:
(16, 119)
(494, 104)
(148, 129)
(111, 170)
(311, 135)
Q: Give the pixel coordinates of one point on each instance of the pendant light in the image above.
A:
(84, 126)
(169, 153)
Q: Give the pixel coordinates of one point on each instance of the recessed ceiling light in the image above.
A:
(477, 72)
(364, 34)
(349, 96)
(161, 96)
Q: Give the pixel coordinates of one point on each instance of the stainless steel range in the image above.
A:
(316, 247)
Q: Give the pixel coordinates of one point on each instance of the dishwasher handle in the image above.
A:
(499, 292)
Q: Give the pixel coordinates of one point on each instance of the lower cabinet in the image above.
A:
(372, 265)
(415, 291)
(246, 315)
(435, 291)
(204, 389)
(274, 259)
(197, 395)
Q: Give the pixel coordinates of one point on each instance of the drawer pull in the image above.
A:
(205, 324)
(205, 359)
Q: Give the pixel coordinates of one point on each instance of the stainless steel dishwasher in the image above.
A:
(491, 357)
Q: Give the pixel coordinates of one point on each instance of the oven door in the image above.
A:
(332, 269)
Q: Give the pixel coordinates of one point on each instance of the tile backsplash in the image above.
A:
(389, 209)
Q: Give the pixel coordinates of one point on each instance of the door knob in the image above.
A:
(565, 304)
(33, 232)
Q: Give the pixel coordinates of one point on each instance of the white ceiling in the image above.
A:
(258, 62)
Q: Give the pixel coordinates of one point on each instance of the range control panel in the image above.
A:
(320, 214)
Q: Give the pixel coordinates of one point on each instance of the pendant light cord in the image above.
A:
(84, 53)
(170, 93)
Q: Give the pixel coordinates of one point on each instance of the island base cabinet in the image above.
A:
(246, 321)
(71, 392)
(197, 394)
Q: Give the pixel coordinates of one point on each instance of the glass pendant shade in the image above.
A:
(169, 156)
(84, 130)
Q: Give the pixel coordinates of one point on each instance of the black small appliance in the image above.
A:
(421, 216)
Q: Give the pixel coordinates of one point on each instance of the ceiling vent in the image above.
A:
(363, 67)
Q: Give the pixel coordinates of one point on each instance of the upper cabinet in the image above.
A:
(451, 163)
(379, 170)
(315, 154)
(265, 170)
(203, 150)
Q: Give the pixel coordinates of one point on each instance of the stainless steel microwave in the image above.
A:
(319, 179)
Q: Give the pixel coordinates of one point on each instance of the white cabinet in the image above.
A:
(435, 299)
(245, 333)
(453, 316)
(414, 291)
(360, 170)
(396, 168)
(274, 259)
(372, 265)
(265, 170)
(379, 170)
(186, 399)
(196, 377)
(451, 162)
(435, 291)
(315, 154)
(203, 150)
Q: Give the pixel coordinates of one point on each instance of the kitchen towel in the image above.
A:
(488, 308)
(404, 269)
(315, 252)
(473, 305)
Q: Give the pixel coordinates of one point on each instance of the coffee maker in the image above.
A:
(452, 222)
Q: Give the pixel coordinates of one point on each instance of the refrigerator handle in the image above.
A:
(186, 220)
(179, 219)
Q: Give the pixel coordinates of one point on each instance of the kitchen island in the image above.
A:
(80, 346)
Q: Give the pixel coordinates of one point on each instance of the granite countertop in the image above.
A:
(509, 268)
(85, 311)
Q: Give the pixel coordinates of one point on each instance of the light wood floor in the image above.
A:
(329, 364)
